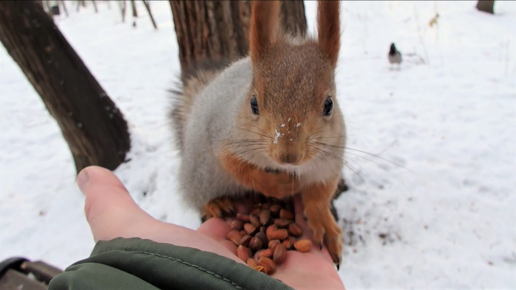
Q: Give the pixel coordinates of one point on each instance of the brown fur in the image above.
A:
(264, 26)
(317, 201)
(329, 29)
(278, 185)
(292, 79)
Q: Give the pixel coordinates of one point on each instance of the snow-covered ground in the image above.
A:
(436, 206)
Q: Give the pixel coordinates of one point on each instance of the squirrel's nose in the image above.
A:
(289, 158)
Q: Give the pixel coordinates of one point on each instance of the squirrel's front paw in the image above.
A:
(325, 229)
(218, 207)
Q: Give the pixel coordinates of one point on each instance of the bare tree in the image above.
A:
(147, 7)
(486, 6)
(63, 4)
(95, 6)
(293, 17)
(90, 122)
(133, 7)
(123, 7)
(219, 30)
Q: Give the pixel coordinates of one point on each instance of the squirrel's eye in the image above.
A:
(328, 107)
(254, 106)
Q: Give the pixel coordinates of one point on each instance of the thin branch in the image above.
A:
(147, 6)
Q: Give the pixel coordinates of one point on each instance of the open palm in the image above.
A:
(112, 213)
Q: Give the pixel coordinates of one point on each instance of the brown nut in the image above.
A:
(234, 236)
(250, 229)
(253, 219)
(237, 225)
(244, 253)
(276, 234)
(265, 206)
(275, 209)
(244, 241)
(282, 223)
(285, 214)
(260, 269)
(289, 245)
(243, 232)
(251, 263)
(295, 230)
(268, 264)
(270, 229)
(273, 243)
(265, 217)
(268, 253)
(265, 253)
(262, 237)
(280, 254)
(257, 255)
(242, 217)
(303, 246)
(256, 211)
(255, 244)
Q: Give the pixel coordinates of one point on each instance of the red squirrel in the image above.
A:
(267, 123)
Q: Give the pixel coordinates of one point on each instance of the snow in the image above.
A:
(434, 206)
(276, 136)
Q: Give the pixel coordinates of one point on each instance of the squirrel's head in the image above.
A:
(292, 102)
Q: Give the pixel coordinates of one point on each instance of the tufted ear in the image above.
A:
(328, 23)
(264, 27)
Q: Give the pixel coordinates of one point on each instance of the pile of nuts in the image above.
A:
(265, 235)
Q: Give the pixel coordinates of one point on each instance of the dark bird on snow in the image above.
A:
(394, 55)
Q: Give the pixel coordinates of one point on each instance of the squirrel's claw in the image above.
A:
(218, 207)
(336, 260)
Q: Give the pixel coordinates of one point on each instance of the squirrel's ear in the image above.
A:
(328, 22)
(264, 26)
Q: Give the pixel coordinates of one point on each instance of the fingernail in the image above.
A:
(82, 179)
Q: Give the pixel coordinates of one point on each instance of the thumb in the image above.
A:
(110, 210)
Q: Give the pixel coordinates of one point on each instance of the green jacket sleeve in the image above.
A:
(144, 265)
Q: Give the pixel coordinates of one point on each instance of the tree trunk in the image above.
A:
(63, 4)
(93, 126)
(95, 6)
(486, 6)
(293, 17)
(219, 30)
(147, 7)
(133, 7)
(122, 9)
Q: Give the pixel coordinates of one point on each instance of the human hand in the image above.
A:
(112, 213)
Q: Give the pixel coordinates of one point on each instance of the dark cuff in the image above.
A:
(143, 264)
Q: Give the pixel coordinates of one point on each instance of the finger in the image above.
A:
(112, 213)
(109, 208)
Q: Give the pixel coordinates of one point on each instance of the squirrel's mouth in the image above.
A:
(291, 165)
